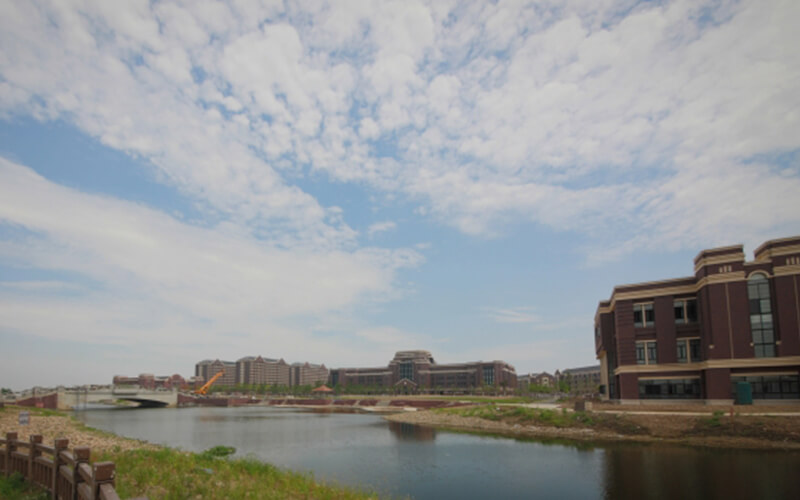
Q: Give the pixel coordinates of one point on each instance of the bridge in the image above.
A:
(75, 398)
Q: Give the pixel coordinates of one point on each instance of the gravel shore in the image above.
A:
(52, 425)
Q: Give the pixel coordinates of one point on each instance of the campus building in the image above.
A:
(416, 370)
(208, 368)
(583, 380)
(255, 370)
(695, 338)
(307, 374)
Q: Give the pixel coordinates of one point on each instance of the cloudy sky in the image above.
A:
(334, 181)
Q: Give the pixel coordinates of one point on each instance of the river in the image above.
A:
(397, 460)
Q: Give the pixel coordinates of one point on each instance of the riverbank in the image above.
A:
(145, 469)
(714, 429)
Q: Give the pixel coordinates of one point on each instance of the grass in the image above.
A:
(169, 473)
(547, 418)
(15, 486)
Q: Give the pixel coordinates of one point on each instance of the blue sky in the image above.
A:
(335, 181)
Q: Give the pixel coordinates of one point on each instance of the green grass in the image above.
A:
(169, 473)
(16, 487)
(546, 418)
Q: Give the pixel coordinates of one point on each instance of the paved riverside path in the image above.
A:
(710, 411)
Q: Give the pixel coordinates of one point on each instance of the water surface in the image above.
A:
(395, 459)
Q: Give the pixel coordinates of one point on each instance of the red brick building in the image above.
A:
(694, 338)
(417, 370)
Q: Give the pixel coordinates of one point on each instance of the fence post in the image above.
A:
(11, 438)
(59, 445)
(81, 454)
(33, 453)
(102, 473)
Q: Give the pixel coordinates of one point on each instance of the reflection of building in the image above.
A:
(584, 380)
(418, 370)
(409, 432)
(695, 337)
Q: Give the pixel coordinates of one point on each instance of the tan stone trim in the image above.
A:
(761, 374)
(653, 292)
(753, 362)
(718, 249)
(786, 270)
(670, 377)
(710, 364)
(775, 252)
(719, 259)
(660, 368)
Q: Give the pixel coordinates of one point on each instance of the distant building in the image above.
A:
(542, 379)
(307, 374)
(208, 368)
(417, 370)
(150, 381)
(584, 380)
(257, 371)
(697, 337)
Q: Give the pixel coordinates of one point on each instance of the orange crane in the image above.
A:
(203, 390)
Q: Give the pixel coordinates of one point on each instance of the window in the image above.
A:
(770, 386)
(488, 375)
(646, 352)
(761, 316)
(643, 315)
(407, 371)
(682, 352)
(688, 388)
(688, 350)
(685, 311)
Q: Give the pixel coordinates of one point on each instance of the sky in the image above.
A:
(335, 181)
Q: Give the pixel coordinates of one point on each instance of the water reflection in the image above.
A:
(421, 462)
(411, 432)
(656, 472)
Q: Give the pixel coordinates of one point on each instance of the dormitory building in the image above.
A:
(695, 338)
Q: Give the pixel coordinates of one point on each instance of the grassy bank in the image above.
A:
(168, 473)
(144, 469)
(718, 429)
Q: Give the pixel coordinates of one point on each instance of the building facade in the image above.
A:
(695, 338)
(583, 380)
(307, 374)
(208, 368)
(417, 370)
(255, 370)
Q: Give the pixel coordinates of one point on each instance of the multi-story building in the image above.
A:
(696, 337)
(257, 370)
(583, 380)
(418, 370)
(307, 374)
(208, 368)
(150, 381)
(543, 379)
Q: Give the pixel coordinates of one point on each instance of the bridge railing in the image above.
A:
(64, 474)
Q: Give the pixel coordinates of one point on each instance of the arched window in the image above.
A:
(761, 316)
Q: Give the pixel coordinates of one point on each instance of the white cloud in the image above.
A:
(380, 227)
(512, 315)
(186, 278)
(567, 115)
